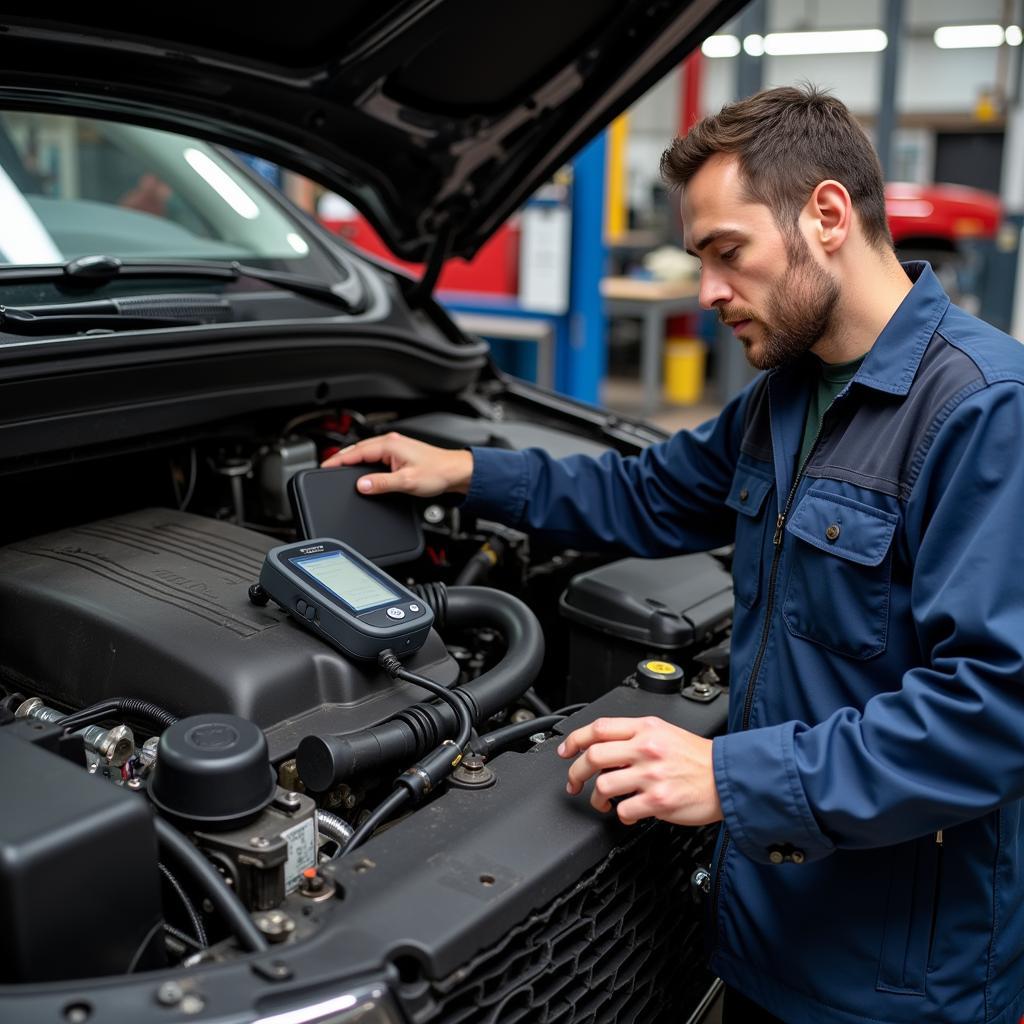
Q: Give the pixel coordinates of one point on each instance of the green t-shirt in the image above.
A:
(832, 378)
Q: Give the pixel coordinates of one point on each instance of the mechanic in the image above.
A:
(870, 867)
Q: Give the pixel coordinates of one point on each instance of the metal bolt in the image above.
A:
(260, 842)
(78, 1013)
(170, 993)
(275, 925)
(35, 708)
(147, 752)
(291, 800)
(433, 514)
(134, 784)
(117, 745)
(192, 1003)
(537, 737)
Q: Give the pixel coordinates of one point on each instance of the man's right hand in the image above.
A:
(416, 468)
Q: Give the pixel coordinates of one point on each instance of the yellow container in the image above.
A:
(684, 370)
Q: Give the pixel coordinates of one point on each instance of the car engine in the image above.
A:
(200, 762)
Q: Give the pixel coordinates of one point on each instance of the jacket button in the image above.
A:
(744, 494)
(775, 855)
(832, 533)
(798, 856)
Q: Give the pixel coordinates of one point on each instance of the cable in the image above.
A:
(224, 899)
(190, 910)
(492, 742)
(143, 946)
(397, 670)
(183, 937)
(571, 709)
(417, 781)
(131, 707)
(193, 476)
(395, 799)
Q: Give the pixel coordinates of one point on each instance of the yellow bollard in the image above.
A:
(684, 370)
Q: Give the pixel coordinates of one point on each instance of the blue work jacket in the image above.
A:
(871, 865)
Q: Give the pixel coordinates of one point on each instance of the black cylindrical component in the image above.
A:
(436, 596)
(212, 771)
(492, 742)
(481, 561)
(227, 904)
(657, 676)
(324, 761)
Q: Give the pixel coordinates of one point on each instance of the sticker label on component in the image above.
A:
(301, 840)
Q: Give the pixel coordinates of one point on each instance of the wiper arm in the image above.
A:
(41, 321)
(346, 294)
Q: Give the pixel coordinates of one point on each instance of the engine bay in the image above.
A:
(134, 665)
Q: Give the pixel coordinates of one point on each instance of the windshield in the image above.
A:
(72, 186)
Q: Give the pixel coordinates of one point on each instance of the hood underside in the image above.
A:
(437, 118)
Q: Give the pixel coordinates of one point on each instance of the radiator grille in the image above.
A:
(622, 945)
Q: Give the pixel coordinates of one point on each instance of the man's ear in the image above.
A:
(830, 213)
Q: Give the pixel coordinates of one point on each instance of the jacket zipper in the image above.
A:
(748, 702)
(935, 894)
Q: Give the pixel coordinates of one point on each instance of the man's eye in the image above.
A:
(730, 255)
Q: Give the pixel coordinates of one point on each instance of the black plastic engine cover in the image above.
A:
(154, 604)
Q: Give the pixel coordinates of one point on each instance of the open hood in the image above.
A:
(437, 118)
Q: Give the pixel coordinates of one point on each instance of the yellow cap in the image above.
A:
(663, 668)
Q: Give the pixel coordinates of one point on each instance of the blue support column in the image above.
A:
(581, 335)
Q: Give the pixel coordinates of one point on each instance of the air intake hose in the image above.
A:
(324, 761)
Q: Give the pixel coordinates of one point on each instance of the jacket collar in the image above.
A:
(893, 360)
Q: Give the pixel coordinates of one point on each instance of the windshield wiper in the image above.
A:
(97, 270)
(75, 317)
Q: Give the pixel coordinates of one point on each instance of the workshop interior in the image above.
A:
(278, 752)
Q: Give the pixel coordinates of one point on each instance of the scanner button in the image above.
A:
(300, 606)
(396, 613)
(310, 612)
(414, 608)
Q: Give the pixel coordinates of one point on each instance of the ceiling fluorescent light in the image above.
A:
(720, 46)
(963, 37)
(790, 44)
(754, 45)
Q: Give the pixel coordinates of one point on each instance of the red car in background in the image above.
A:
(939, 223)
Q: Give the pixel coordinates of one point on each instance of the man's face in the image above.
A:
(777, 298)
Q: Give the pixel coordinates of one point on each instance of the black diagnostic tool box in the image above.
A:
(385, 528)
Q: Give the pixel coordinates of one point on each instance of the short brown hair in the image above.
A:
(788, 140)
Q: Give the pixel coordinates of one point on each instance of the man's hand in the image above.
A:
(416, 468)
(665, 771)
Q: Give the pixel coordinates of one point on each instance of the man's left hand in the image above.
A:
(663, 771)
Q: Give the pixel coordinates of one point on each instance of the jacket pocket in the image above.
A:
(747, 496)
(840, 574)
(910, 917)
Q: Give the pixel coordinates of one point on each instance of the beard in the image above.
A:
(799, 309)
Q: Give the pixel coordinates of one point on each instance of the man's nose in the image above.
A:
(713, 290)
